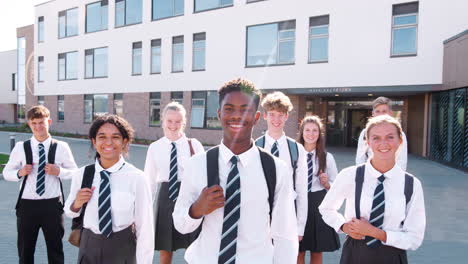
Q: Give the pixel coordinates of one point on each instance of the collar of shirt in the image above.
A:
(117, 166)
(313, 154)
(178, 142)
(393, 172)
(271, 141)
(35, 143)
(244, 158)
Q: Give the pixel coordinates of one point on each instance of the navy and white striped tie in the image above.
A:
(40, 183)
(105, 217)
(274, 149)
(310, 172)
(174, 184)
(228, 247)
(377, 214)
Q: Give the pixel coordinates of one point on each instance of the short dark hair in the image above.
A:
(240, 85)
(122, 125)
(38, 111)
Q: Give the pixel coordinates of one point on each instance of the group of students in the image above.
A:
(244, 201)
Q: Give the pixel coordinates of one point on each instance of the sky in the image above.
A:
(14, 14)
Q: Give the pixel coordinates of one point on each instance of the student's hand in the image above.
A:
(362, 226)
(210, 199)
(351, 231)
(300, 238)
(82, 197)
(323, 177)
(52, 169)
(27, 169)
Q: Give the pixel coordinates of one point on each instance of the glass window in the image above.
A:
(21, 70)
(199, 46)
(167, 8)
(88, 108)
(40, 100)
(13, 81)
(21, 113)
(118, 104)
(197, 117)
(68, 23)
(271, 44)
(178, 54)
(40, 29)
(404, 29)
(61, 108)
(67, 66)
(177, 97)
(100, 103)
(156, 56)
(204, 112)
(212, 120)
(128, 12)
(40, 69)
(201, 5)
(96, 16)
(96, 63)
(155, 109)
(318, 38)
(136, 58)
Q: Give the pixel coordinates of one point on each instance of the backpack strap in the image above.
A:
(294, 154)
(29, 160)
(192, 152)
(269, 170)
(260, 142)
(359, 180)
(409, 182)
(51, 160)
(86, 182)
(212, 170)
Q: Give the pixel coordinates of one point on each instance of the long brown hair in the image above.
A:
(321, 153)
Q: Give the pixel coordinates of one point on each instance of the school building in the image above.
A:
(131, 57)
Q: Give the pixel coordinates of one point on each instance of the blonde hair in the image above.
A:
(382, 101)
(277, 101)
(383, 119)
(175, 106)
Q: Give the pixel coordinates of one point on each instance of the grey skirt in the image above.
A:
(357, 252)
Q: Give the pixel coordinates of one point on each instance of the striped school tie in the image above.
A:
(377, 214)
(40, 183)
(174, 184)
(274, 149)
(227, 249)
(310, 172)
(105, 217)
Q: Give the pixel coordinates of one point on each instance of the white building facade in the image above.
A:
(8, 86)
(332, 58)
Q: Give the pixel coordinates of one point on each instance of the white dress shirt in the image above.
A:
(363, 149)
(254, 240)
(158, 155)
(63, 158)
(301, 176)
(408, 236)
(130, 204)
(331, 171)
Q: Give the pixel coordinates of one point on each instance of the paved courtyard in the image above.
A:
(445, 189)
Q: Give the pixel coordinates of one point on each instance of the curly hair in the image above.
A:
(240, 85)
(277, 101)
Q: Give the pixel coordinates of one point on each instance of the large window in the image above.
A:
(40, 100)
(67, 66)
(68, 23)
(136, 58)
(271, 44)
(156, 56)
(118, 104)
(96, 63)
(178, 54)
(202, 5)
(40, 29)
(167, 8)
(199, 49)
(177, 97)
(204, 112)
(61, 108)
(404, 29)
(318, 38)
(155, 109)
(13, 81)
(96, 16)
(40, 68)
(95, 105)
(127, 12)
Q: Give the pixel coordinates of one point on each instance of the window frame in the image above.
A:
(116, 98)
(154, 43)
(173, 6)
(94, 63)
(177, 97)
(205, 110)
(405, 26)
(40, 29)
(13, 81)
(60, 98)
(311, 37)
(40, 100)
(106, 3)
(199, 49)
(66, 22)
(134, 49)
(154, 97)
(125, 24)
(65, 66)
(210, 9)
(40, 73)
(173, 53)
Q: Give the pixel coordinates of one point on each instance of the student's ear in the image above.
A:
(125, 145)
(257, 117)
(49, 121)
(219, 114)
(93, 141)
(265, 115)
(287, 116)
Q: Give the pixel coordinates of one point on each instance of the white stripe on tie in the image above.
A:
(377, 218)
(227, 247)
(229, 230)
(231, 213)
(232, 181)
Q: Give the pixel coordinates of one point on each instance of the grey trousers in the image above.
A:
(119, 248)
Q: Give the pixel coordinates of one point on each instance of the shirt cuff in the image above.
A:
(392, 238)
(72, 214)
(17, 175)
(338, 226)
(193, 223)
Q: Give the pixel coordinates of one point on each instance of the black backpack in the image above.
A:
(86, 182)
(268, 165)
(29, 160)
(409, 182)
(293, 153)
